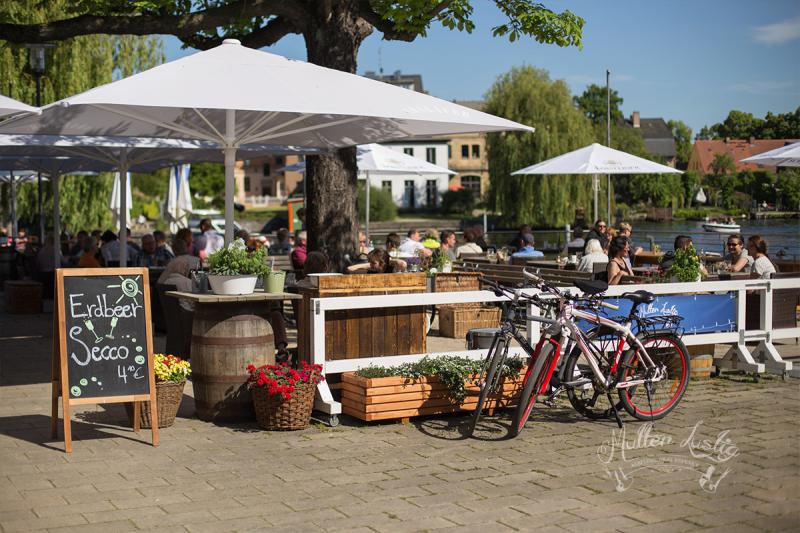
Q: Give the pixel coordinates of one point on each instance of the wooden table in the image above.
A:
(550, 263)
(229, 333)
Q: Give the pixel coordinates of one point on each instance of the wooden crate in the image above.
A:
(357, 333)
(393, 398)
(456, 322)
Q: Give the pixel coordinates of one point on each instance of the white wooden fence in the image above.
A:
(763, 358)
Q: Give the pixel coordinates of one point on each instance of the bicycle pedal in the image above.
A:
(550, 402)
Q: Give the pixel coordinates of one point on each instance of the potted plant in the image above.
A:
(235, 270)
(685, 266)
(171, 373)
(282, 395)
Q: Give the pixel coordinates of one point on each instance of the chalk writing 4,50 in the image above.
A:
(95, 353)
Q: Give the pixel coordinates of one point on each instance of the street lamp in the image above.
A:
(37, 65)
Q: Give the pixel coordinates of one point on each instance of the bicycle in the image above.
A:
(655, 362)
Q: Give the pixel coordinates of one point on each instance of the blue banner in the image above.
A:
(702, 313)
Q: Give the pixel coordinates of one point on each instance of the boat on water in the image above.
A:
(722, 227)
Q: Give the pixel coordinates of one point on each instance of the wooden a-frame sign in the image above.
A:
(102, 343)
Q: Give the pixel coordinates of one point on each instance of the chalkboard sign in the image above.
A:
(104, 348)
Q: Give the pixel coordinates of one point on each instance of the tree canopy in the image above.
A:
(528, 95)
(593, 104)
(742, 125)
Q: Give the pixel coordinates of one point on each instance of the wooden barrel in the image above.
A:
(226, 337)
(23, 297)
(701, 366)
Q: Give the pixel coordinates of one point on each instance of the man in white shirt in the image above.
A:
(412, 245)
(209, 240)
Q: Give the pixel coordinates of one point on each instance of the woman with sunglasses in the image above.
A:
(737, 259)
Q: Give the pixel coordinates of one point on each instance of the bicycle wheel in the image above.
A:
(580, 382)
(668, 352)
(486, 382)
(531, 385)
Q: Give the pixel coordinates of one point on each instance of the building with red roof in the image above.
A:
(703, 152)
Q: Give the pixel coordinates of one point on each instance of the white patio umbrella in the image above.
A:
(120, 207)
(9, 106)
(785, 156)
(138, 154)
(179, 198)
(597, 159)
(282, 102)
(379, 159)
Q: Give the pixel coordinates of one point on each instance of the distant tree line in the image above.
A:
(742, 125)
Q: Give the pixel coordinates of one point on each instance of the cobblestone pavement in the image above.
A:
(728, 459)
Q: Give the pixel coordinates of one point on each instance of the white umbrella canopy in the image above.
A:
(785, 156)
(179, 198)
(283, 102)
(9, 106)
(597, 159)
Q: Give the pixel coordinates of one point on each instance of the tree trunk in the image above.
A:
(333, 35)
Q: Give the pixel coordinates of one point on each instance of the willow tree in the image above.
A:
(333, 31)
(528, 95)
(74, 65)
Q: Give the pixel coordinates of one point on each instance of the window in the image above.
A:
(431, 193)
(386, 185)
(430, 155)
(266, 186)
(408, 151)
(472, 183)
(449, 151)
(247, 184)
(476, 151)
(267, 170)
(279, 161)
(410, 201)
(464, 151)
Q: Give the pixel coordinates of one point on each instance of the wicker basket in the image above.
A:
(457, 282)
(168, 400)
(456, 322)
(275, 414)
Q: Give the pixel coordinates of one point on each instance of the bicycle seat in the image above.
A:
(639, 297)
(591, 287)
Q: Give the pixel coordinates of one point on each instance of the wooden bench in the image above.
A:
(561, 277)
(503, 274)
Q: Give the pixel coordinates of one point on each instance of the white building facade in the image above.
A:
(416, 191)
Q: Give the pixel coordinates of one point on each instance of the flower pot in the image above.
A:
(276, 414)
(274, 281)
(232, 285)
(168, 400)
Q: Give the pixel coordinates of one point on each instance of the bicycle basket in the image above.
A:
(652, 324)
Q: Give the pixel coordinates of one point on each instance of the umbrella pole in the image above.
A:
(366, 230)
(14, 224)
(230, 162)
(56, 220)
(123, 212)
(595, 187)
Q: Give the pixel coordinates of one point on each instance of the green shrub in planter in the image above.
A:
(236, 260)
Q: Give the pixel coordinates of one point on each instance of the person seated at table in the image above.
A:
(393, 244)
(448, 245)
(626, 230)
(364, 246)
(412, 246)
(682, 242)
(185, 235)
(578, 243)
(527, 249)
(479, 237)
(469, 246)
(617, 265)
(762, 266)
(89, 254)
(599, 232)
(161, 241)
(431, 240)
(76, 248)
(152, 255)
(737, 259)
(209, 241)
(281, 246)
(517, 241)
(111, 248)
(177, 271)
(300, 252)
(594, 254)
(378, 262)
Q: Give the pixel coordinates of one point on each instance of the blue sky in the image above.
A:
(678, 59)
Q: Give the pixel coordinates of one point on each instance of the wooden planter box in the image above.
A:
(393, 398)
(356, 333)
